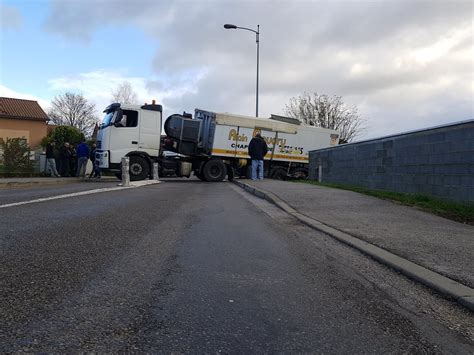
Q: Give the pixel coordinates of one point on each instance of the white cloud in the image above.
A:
(97, 86)
(442, 46)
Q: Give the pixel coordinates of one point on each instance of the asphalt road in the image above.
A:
(197, 267)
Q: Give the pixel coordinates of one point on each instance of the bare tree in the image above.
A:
(74, 110)
(124, 94)
(326, 112)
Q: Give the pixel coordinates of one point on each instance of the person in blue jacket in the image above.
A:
(82, 152)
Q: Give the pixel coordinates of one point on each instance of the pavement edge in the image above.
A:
(48, 182)
(17, 184)
(464, 295)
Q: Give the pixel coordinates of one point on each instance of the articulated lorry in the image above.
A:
(211, 145)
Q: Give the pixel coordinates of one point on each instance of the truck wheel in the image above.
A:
(300, 173)
(139, 168)
(278, 174)
(214, 170)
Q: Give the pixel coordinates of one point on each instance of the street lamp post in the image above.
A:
(228, 26)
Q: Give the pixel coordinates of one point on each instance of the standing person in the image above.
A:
(95, 167)
(257, 150)
(64, 159)
(50, 161)
(72, 160)
(82, 152)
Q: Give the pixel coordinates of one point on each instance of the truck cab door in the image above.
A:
(125, 137)
(150, 132)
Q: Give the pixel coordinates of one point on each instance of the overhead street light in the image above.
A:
(229, 26)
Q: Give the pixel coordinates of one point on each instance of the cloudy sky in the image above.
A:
(405, 64)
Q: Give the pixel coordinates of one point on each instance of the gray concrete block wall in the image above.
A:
(437, 162)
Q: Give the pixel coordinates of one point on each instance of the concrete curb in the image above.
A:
(464, 295)
(49, 182)
(15, 184)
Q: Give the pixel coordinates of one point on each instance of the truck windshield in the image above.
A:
(108, 119)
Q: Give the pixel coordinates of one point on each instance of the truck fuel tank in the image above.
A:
(183, 128)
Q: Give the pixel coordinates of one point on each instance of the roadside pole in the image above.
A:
(320, 171)
(155, 171)
(125, 172)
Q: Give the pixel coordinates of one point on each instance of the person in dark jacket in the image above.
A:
(50, 161)
(257, 150)
(64, 159)
(72, 160)
(95, 166)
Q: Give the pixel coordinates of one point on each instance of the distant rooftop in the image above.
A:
(20, 109)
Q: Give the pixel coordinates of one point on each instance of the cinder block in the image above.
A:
(466, 157)
(452, 180)
(439, 148)
(457, 169)
(470, 195)
(467, 181)
(425, 149)
(388, 144)
(437, 180)
(420, 179)
(456, 194)
(456, 134)
(437, 137)
(409, 188)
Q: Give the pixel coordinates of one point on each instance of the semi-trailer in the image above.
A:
(211, 145)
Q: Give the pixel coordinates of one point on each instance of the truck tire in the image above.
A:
(139, 168)
(300, 173)
(278, 174)
(214, 170)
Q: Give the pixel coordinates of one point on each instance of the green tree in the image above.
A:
(62, 134)
(15, 155)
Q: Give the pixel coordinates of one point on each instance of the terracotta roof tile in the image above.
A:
(21, 109)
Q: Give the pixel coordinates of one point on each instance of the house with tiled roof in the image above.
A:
(22, 119)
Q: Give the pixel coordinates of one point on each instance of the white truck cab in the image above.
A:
(133, 131)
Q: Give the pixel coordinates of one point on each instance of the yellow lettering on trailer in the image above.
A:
(269, 140)
(234, 136)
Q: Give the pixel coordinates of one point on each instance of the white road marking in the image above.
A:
(133, 184)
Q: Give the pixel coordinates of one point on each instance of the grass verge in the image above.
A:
(456, 211)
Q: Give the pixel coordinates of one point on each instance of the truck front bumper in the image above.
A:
(103, 159)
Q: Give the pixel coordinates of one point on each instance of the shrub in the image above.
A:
(61, 134)
(15, 155)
